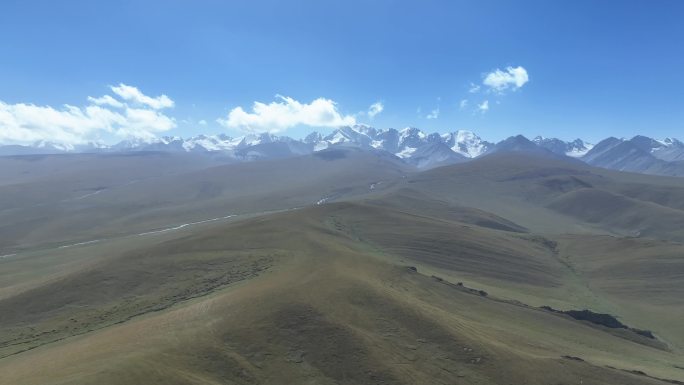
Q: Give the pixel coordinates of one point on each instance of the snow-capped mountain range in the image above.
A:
(412, 145)
(640, 154)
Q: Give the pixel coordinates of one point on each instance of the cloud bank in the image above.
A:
(132, 115)
(286, 113)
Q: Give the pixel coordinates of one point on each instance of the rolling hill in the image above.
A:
(349, 267)
(89, 205)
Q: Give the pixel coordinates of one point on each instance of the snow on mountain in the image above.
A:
(365, 130)
(576, 148)
(410, 144)
(411, 137)
(407, 143)
(466, 143)
(387, 140)
(433, 154)
(221, 142)
(206, 143)
(639, 154)
(668, 142)
(358, 135)
(255, 139)
(52, 146)
(516, 143)
(668, 149)
(313, 138)
(406, 152)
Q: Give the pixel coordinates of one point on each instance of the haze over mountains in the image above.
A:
(411, 145)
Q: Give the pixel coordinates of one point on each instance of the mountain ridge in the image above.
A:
(412, 145)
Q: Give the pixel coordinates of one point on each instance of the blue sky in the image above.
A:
(594, 68)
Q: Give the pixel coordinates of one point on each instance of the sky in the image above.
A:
(76, 71)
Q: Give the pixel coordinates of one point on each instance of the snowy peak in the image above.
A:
(670, 142)
(646, 150)
(411, 137)
(668, 149)
(360, 135)
(578, 148)
(645, 143)
(516, 143)
(51, 146)
(209, 143)
(365, 130)
(466, 143)
(387, 140)
(255, 139)
(313, 138)
(412, 145)
(575, 148)
(433, 154)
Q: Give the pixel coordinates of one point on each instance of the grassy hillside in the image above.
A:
(552, 196)
(193, 195)
(313, 295)
(397, 277)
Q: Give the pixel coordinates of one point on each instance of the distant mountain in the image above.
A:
(412, 145)
(520, 144)
(517, 143)
(466, 143)
(15, 149)
(668, 149)
(434, 154)
(639, 154)
(576, 148)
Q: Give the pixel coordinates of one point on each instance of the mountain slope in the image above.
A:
(318, 295)
(636, 155)
(576, 148)
(559, 195)
(60, 210)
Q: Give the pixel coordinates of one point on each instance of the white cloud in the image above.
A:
(434, 114)
(132, 94)
(474, 88)
(375, 109)
(501, 80)
(106, 100)
(463, 104)
(483, 107)
(24, 123)
(202, 122)
(144, 123)
(286, 113)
